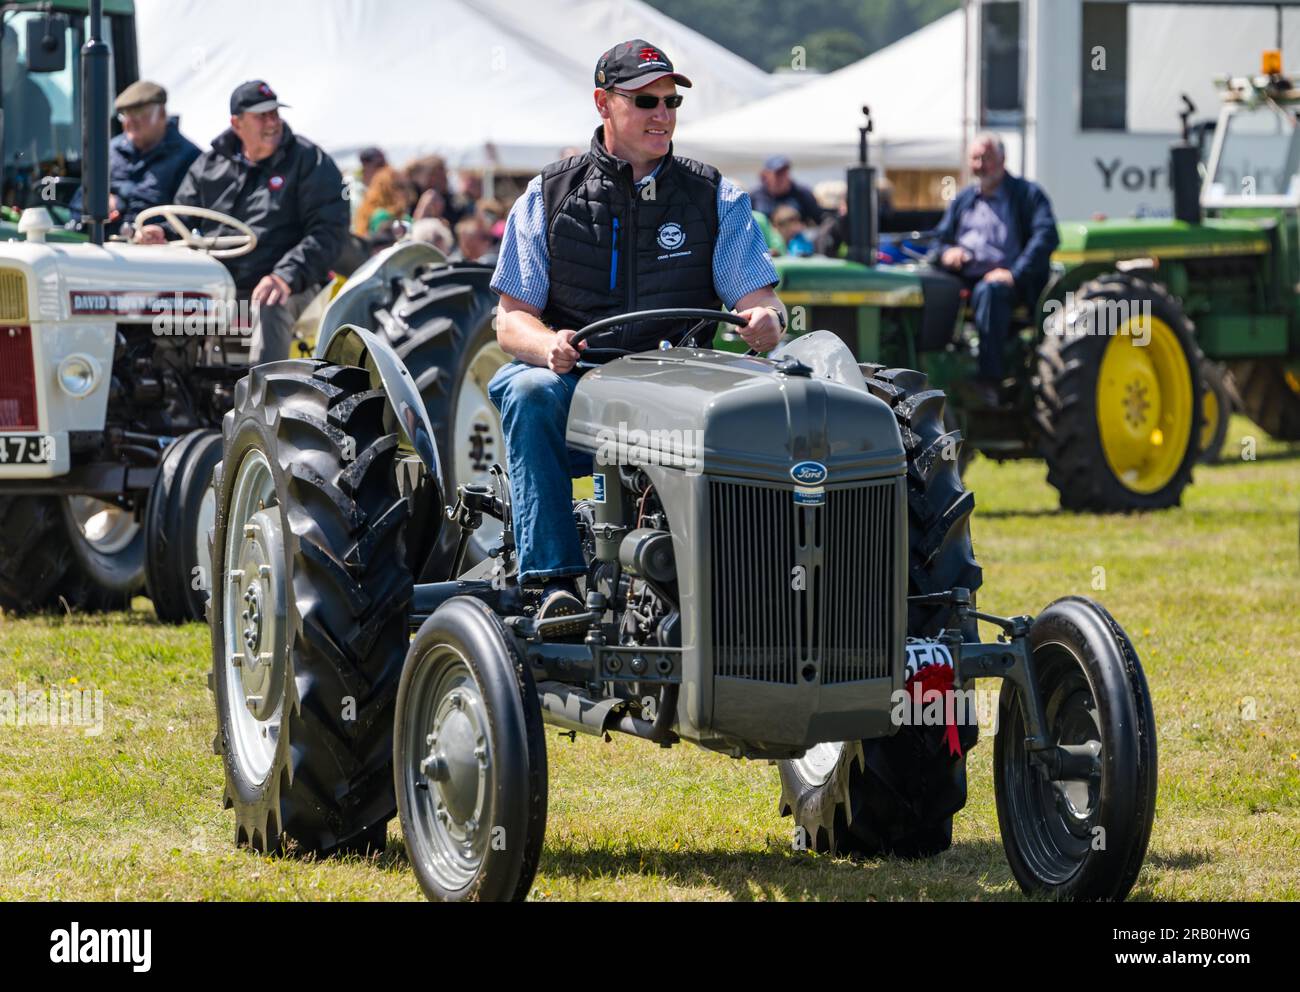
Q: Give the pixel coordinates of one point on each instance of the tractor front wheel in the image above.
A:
(1078, 834)
(469, 758)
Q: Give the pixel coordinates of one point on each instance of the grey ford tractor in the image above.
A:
(778, 548)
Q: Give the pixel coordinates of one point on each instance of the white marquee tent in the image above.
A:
(481, 81)
(914, 90)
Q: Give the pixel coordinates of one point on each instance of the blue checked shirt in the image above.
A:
(741, 263)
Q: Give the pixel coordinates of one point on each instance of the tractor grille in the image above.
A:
(771, 622)
(17, 380)
(13, 297)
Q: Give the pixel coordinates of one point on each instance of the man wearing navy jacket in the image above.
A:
(998, 235)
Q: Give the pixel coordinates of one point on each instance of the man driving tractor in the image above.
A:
(626, 226)
(998, 235)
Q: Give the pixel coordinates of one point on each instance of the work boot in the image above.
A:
(560, 599)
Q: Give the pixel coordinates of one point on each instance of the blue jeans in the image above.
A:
(534, 405)
(991, 304)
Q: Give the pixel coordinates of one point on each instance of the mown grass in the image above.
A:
(1209, 593)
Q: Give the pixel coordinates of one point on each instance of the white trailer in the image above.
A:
(1086, 93)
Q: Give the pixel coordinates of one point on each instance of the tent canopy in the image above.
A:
(914, 90)
(479, 81)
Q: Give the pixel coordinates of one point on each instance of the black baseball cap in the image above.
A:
(633, 64)
(253, 97)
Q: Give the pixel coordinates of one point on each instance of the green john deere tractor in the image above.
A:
(1120, 370)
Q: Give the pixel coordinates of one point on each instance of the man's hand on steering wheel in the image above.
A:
(562, 356)
(762, 330)
(150, 234)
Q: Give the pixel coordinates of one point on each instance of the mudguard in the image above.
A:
(353, 345)
(342, 340)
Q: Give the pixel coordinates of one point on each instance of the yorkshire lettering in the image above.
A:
(77, 946)
(130, 303)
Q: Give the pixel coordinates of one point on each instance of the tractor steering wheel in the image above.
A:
(216, 245)
(705, 318)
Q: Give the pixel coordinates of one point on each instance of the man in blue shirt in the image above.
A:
(625, 226)
(998, 235)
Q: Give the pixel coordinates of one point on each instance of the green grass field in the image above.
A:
(1210, 594)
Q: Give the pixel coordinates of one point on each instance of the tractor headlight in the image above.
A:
(78, 374)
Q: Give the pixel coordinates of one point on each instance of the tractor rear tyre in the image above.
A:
(441, 327)
(1218, 402)
(1079, 838)
(180, 514)
(309, 606)
(38, 570)
(897, 795)
(1270, 396)
(469, 758)
(1118, 398)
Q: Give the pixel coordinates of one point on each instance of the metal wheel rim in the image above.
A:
(448, 776)
(1144, 405)
(477, 441)
(1055, 820)
(818, 762)
(106, 527)
(207, 517)
(254, 737)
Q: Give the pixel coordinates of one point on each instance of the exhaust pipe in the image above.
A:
(1184, 171)
(95, 66)
(864, 234)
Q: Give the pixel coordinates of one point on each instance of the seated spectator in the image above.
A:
(474, 242)
(774, 242)
(997, 235)
(388, 198)
(777, 187)
(433, 199)
(372, 160)
(469, 190)
(790, 226)
(435, 231)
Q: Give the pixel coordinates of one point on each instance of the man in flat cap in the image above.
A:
(625, 226)
(290, 193)
(148, 160)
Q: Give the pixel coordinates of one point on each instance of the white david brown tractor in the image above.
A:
(117, 362)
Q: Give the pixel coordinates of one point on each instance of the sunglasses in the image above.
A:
(646, 101)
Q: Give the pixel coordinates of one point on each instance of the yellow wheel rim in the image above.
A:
(1144, 404)
(1209, 416)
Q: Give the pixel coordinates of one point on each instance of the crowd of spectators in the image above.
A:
(418, 201)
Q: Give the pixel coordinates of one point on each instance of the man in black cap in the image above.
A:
(148, 160)
(290, 193)
(777, 188)
(625, 226)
